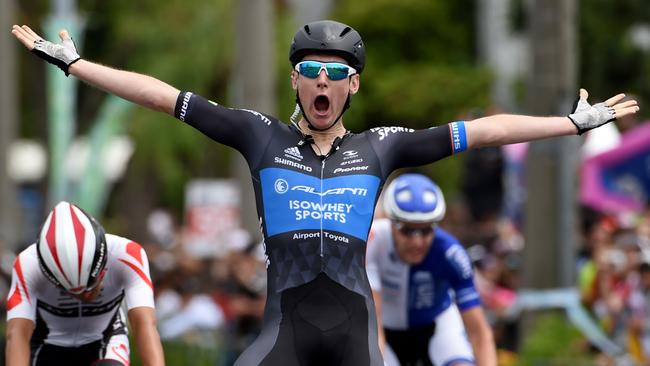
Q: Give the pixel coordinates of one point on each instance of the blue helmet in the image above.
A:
(414, 198)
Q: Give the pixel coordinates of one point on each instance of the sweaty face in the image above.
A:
(412, 241)
(323, 99)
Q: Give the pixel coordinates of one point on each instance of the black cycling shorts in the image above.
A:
(411, 346)
(86, 355)
(323, 323)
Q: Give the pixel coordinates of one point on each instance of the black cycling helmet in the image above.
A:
(330, 37)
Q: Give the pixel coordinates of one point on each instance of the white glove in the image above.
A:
(586, 116)
(62, 55)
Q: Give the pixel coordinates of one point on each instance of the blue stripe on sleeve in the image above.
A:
(458, 137)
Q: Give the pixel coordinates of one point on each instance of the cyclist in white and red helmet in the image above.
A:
(422, 282)
(65, 300)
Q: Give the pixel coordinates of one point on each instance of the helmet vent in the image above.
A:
(345, 31)
(307, 30)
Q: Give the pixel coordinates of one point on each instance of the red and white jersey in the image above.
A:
(62, 319)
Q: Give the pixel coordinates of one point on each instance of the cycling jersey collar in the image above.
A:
(309, 139)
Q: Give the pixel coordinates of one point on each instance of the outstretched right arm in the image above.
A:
(137, 88)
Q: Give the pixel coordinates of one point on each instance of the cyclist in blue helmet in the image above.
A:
(421, 277)
(316, 183)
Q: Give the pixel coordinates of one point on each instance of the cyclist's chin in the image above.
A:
(321, 121)
(412, 257)
(87, 296)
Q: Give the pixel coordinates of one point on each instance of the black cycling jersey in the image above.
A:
(315, 213)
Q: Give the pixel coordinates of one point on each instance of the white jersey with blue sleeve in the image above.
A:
(414, 295)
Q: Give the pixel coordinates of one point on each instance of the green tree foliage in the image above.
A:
(421, 67)
(421, 70)
(609, 61)
(187, 43)
(285, 27)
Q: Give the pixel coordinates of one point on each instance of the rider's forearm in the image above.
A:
(140, 89)
(149, 346)
(482, 340)
(17, 354)
(381, 335)
(480, 336)
(505, 129)
(17, 351)
(145, 333)
(484, 348)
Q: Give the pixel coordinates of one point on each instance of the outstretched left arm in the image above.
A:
(503, 129)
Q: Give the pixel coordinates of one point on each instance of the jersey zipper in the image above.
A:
(334, 148)
(322, 176)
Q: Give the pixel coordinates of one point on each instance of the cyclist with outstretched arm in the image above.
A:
(316, 183)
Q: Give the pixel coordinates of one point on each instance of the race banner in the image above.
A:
(618, 180)
(212, 213)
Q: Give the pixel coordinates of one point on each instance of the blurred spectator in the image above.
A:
(491, 277)
(161, 227)
(211, 301)
(188, 313)
(244, 296)
(458, 220)
(7, 258)
(639, 324)
(6, 264)
(514, 181)
(600, 140)
(509, 239)
(482, 184)
(598, 238)
(489, 272)
(483, 188)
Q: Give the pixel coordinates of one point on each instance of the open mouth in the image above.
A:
(322, 104)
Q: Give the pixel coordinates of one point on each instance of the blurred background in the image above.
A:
(559, 230)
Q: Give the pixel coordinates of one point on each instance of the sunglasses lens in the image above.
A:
(337, 71)
(309, 69)
(410, 231)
